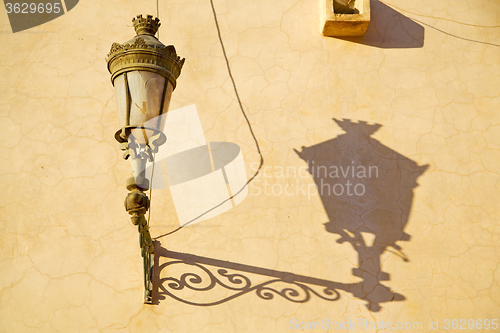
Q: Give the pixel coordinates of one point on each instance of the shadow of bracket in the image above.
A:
(292, 287)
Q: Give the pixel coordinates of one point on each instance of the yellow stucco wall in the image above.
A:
(69, 258)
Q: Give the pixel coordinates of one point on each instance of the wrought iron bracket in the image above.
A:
(137, 204)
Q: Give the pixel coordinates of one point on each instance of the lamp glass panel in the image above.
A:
(121, 100)
(146, 91)
(166, 104)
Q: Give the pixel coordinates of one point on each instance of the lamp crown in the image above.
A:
(146, 26)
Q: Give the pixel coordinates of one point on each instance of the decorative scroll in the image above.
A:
(295, 291)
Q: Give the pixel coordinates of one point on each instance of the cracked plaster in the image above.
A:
(68, 254)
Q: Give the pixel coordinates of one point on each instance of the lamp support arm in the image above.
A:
(137, 204)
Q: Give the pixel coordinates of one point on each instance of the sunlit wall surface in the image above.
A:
(377, 200)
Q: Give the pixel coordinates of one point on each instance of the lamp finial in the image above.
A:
(146, 26)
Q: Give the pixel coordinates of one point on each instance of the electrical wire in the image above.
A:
(246, 117)
(440, 18)
(241, 105)
(449, 34)
(248, 124)
(158, 16)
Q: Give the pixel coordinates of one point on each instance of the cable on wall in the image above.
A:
(447, 33)
(244, 115)
(440, 18)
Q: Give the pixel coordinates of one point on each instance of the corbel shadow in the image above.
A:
(389, 29)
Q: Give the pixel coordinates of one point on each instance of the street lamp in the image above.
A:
(144, 73)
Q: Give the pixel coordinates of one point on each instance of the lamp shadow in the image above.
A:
(389, 29)
(367, 191)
